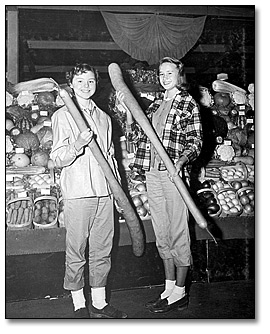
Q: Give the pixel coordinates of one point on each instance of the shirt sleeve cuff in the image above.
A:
(75, 151)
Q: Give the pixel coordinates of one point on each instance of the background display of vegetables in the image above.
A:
(229, 192)
(19, 213)
(226, 182)
(137, 192)
(28, 128)
(29, 169)
(45, 211)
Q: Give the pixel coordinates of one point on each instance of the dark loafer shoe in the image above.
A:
(108, 312)
(164, 307)
(153, 303)
(82, 313)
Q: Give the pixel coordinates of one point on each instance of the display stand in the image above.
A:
(33, 241)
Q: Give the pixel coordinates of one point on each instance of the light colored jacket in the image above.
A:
(81, 175)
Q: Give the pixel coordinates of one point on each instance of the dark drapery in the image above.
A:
(149, 37)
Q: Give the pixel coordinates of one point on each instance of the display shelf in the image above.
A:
(33, 241)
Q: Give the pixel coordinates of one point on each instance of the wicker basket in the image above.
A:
(61, 221)
(19, 213)
(224, 199)
(239, 193)
(40, 206)
(251, 173)
(230, 173)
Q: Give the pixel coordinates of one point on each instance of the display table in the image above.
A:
(35, 261)
(38, 241)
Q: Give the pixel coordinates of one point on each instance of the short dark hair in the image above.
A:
(81, 68)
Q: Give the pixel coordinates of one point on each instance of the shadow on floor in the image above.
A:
(218, 300)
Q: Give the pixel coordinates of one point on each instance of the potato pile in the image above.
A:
(45, 211)
(229, 202)
(233, 173)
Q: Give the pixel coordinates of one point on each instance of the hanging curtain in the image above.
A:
(149, 37)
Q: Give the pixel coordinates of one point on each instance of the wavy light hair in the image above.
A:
(182, 82)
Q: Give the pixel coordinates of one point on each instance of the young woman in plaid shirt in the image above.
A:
(177, 122)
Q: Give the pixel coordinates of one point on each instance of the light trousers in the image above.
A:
(88, 219)
(169, 216)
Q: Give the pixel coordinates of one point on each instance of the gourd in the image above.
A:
(28, 140)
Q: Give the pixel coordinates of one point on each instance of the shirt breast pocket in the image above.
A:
(179, 124)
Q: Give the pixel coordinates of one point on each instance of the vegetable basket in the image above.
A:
(61, 221)
(209, 201)
(251, 173)
(229, 202)
(234, 173)
(45, 212)
(19, 213)
(244, 192)
(209, 173)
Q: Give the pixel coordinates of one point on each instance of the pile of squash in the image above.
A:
(28, 128)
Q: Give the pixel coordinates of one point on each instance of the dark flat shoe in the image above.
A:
(108, 312)
(153, 303)
(81, 313)
(164, 307)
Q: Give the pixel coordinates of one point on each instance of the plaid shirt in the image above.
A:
(182, 134)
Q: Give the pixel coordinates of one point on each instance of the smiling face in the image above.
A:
(84, 85)
(168, 75)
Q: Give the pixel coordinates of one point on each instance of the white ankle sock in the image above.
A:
(98, 297)
(178, 293)
(78, 299)
(169, 285)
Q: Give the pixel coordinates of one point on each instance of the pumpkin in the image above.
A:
(27, 140)
(20, 160)
(45, 98)
(40, 158)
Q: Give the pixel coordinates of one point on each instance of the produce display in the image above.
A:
(138, 193)
(61, 220)
(208, 202)
(226, 182)
(246, 197)
(229, 202)
(45, 212)
(19, 213)
(237, 172)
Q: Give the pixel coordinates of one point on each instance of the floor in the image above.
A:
(217, 300)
